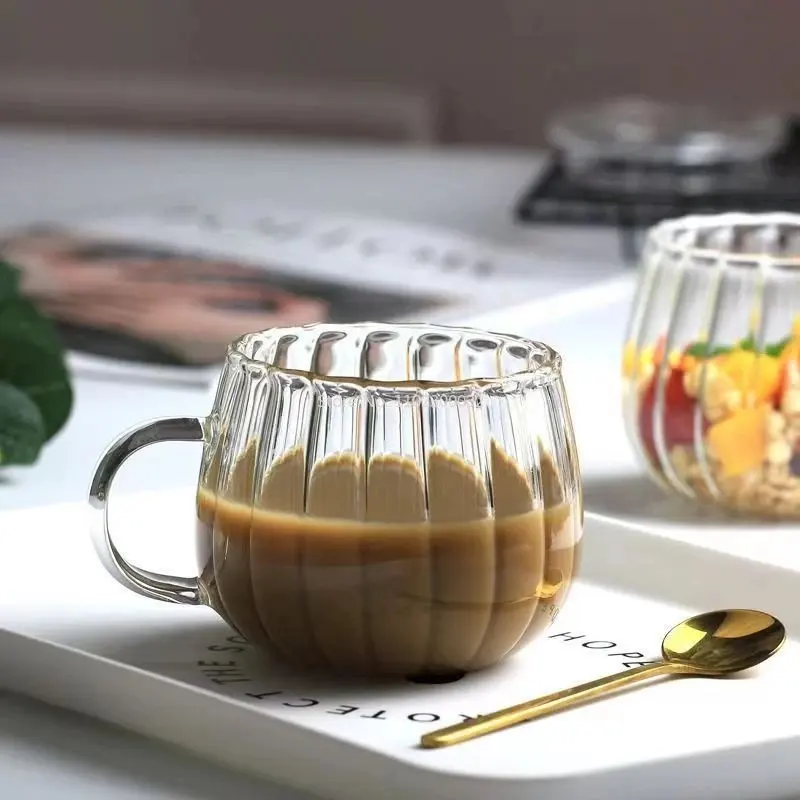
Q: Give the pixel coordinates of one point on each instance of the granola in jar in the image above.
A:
(725, 424)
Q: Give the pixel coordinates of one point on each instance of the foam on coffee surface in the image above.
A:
(392, 488)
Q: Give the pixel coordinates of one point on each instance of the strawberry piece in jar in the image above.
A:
(678, 414)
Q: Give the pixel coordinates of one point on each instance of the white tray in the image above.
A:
(76, 639)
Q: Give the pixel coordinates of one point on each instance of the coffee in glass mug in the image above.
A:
(379, 500)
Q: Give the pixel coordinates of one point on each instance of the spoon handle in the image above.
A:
(550, 703)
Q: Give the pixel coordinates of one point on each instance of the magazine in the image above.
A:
(159, 294)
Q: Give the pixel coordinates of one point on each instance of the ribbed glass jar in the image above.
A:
(711, 361)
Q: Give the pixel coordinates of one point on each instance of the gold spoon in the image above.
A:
(708, 645)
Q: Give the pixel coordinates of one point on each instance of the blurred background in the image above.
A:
(452, 71)
(177, 172)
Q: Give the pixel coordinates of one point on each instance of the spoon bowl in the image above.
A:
(722, 642)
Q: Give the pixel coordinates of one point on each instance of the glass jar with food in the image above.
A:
(711, 361)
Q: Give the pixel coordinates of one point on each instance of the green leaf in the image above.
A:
(697, 350)
(22, 431)
(9, 282)
(748, 343)
(701, 350)
(776, 349)
(20, 317)
(32, 360)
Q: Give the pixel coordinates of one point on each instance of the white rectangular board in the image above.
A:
(74, 638)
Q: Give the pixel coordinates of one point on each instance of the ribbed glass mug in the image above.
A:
(712, 361)
(388, 500)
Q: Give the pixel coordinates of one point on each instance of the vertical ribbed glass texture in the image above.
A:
(712, 361)
(389, 499)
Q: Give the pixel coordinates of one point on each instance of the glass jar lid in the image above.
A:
(644, 130)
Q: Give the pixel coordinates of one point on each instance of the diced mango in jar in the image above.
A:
(629, 360)
(790, 353)
(635, 363)
(649, 356)
(739, 442)
(675, 359)
(689, 363)
(756, 375)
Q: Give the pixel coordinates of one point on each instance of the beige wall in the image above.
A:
(500, 66)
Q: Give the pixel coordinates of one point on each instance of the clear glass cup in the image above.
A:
(388, 500)
(712, 361)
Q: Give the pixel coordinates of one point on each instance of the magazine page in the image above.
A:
(158, 295)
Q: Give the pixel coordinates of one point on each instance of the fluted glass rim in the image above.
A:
(674, 238)
(546, 370)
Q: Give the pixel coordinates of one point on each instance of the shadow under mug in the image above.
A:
(389, 500)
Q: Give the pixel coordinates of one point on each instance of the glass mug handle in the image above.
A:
(168, 588)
